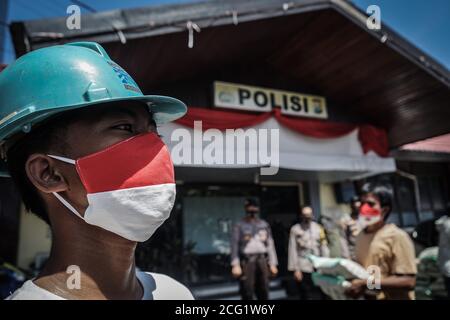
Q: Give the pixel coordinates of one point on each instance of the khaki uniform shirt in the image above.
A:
(305, 240)
(348, 232)
(392, 250)
(252, 237)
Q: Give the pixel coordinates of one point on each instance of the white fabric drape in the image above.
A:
(296, 151)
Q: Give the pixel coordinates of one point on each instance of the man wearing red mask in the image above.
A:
(81, 144)
(384, 249)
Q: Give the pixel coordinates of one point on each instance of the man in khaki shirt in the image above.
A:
(384, 248)
(306, 237)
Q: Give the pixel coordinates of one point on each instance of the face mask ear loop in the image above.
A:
(61, 199)
(67, 205)
(63, 159)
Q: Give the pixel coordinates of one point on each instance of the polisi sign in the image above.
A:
(249, 98)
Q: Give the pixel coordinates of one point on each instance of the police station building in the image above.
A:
(290, 103)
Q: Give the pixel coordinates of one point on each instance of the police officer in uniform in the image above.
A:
(306, 237)
(350, 230)
(253, 255)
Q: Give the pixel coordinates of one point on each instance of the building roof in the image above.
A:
(323, 45)
(435, 149)
(439, 144)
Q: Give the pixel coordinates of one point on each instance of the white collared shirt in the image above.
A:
(156, 287)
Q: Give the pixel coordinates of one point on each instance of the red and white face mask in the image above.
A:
(368, 215)
(130, 186)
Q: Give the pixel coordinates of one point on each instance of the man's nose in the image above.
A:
(146, 128)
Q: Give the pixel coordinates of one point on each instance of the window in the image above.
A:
(208, 222)
(436, 193)
(406, 201)
(432, 196)
(209, 212)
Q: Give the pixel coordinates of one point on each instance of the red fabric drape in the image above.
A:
(371, 138)
(314, 128)
(220, 119)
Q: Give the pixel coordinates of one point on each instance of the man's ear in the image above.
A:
(44, 174)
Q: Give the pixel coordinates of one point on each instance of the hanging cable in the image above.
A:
(287, 6)
(234, 16)
(191, 26)
(120, 34)
(182, 25)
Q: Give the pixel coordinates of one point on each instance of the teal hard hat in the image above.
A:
(55, 79)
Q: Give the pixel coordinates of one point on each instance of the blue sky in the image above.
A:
(425, 23)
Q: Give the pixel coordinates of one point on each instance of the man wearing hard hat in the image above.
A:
(80, 141)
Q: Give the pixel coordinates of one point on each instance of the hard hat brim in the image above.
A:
(164, 109)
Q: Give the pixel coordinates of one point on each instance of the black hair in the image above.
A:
(354, 199)
(251, 202)
(383, 193)
(50, 135)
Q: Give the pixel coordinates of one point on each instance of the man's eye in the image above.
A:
(371, 204)
(126, 127)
